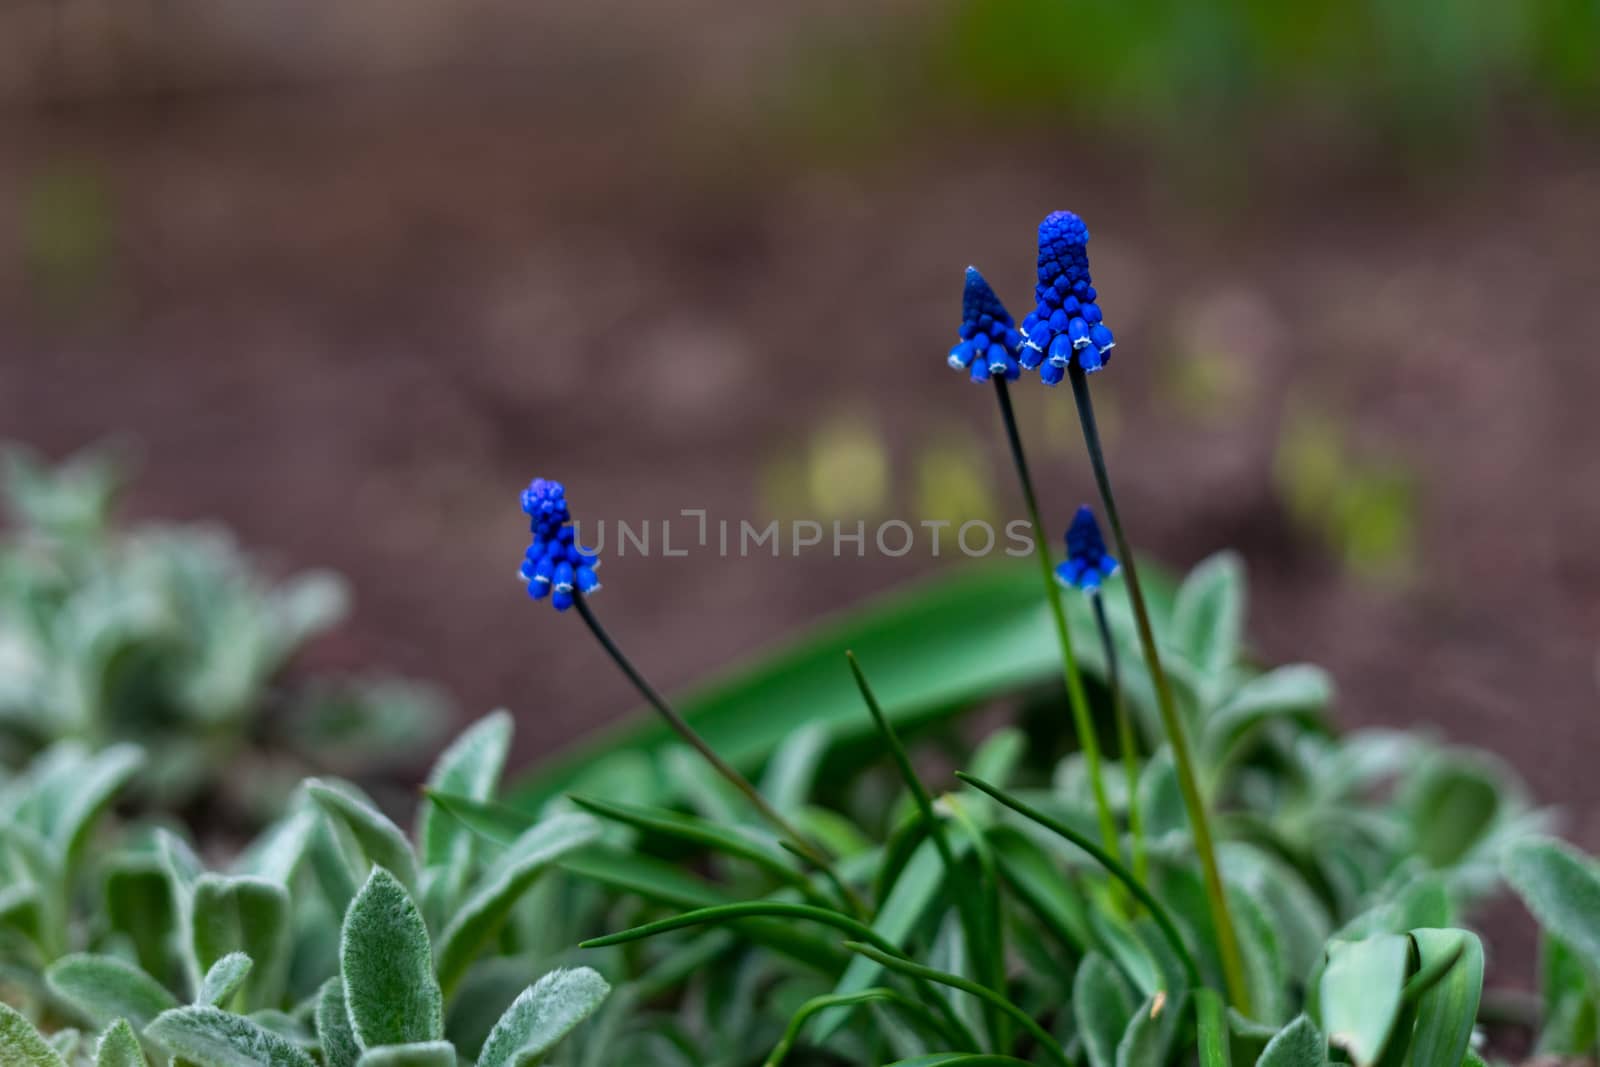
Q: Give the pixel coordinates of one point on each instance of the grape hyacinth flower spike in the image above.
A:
(1087, 563)
(1066, 325)
(987, 350)
(989, 336)
(555, 565)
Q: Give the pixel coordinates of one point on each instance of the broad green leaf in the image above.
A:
(1208, 614)
(1151, 1032)
(1211, 1029)
(248, 915)
(471, 768)
(1561, 888)
(1360, 993)
(481, 916)
(338, 1041)
(216, 1038)
(20, 1043)
(907, 902)
(384, 843)
(138, 905)
(1454, 802)
(224, 979)
(1447, 1013)
(1299, 1044)
(542, 1016)
(1103, 1006)
(420, 1054)
(119, 1047)
(792, 771)
(1570, 1025)
(390, 990)
(78, 789)
(1300, 692)
(104, 989)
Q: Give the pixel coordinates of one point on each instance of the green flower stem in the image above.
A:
(1188, 781)
(983, 932)
(876, 994)
(786, 830)
(1125, 741)
(1052, 592)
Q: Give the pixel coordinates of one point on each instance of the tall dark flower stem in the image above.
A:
(792, 837)
(1188, 780)
(1052, 592)
(1125, 742)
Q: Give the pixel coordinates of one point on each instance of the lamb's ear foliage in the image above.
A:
(470, 767)
(419, 1054)
(543, 1015)
(217, 1038)
(20, 1043)
(104, 989)
(1300, 1044)
(384, 843)
(119, 1047)
(386, 960)
(242, 915)
(224, 979)
(339, 1046)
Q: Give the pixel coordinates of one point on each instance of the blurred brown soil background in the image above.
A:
(349, 299)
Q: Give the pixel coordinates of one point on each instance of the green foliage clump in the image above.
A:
(171, 638)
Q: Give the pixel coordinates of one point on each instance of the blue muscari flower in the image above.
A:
(1066, 324)
(555, 565)
(989, 337)
(1087, 562)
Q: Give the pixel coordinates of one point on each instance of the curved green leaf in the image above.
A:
(390, 990)
(119, 1047)
(470, 767)
(1103, 1007)
(224, 979)
(216, 1038)
(1299, 1044)
(486, 909)
(21, 1045)
(106, 989)
(248, 915)
(544, 1014)
(383, 842)
(420, 1054)
(338, 1041)
(1360, 993)
(1211, 1029)
(1447, 1012)
(1561, 888)
(1208, 613)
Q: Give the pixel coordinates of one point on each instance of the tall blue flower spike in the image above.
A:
(555, 565)
(1087, 563)
(1066, 323)
(989, 337)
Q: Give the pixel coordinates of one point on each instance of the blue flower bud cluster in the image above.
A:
(555, 565)
(1066, 324)
(989, 337)
(1087, 563)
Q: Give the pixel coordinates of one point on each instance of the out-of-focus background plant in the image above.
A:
(172, 637)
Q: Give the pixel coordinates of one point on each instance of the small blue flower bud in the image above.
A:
(1061, 351)
(1087, 563)
(1102, 338)
(1078, 333)
(986, 326)
(1052, 373)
